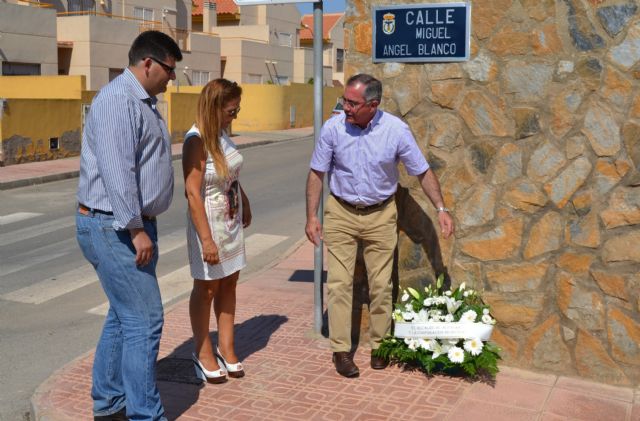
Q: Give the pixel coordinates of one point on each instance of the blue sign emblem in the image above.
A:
(437, 32)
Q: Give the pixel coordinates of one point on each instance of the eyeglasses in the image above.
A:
(234, 112)
(165, 66)
(351, 104)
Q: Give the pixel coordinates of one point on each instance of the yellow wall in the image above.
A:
(264, 107)
(52, 87)
(41, 107)
(28, 124)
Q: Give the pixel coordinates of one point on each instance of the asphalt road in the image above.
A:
(51, 305)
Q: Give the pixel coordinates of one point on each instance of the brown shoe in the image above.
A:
(378, 363)
(345, 365)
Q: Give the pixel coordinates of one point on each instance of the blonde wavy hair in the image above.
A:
(214, 96)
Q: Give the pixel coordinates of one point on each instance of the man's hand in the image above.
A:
(314, 190)
(446, 223)
(143, 246)
(313, 230)
(210, 252)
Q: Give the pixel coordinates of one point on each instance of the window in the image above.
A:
(20, 69)
(82, 5)
(254, 78)
(339, 60)
(199, 78)
(143, 14)
(114, 73)
(284, 39)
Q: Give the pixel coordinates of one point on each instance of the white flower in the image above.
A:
(448, 318)
(428, 302)
(447, 293)
(412, 344)
(485, 311)
(463, 286)
(473, 346)
(453, 342)
(456, 355)
(452, 305)
(408, 307)
(465, 294)
(426, 345)
(486, 319)
(468, 316)
(422, 316)
(436, 349)
(408, 315)
(405, 297)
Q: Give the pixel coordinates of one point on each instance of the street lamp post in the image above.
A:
(317, 125)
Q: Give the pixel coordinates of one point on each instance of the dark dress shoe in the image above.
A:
(121, 415)
(345, 365)
(378, 363)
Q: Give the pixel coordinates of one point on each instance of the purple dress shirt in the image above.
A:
(362, 164)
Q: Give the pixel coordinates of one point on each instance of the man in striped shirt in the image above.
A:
(126, 180)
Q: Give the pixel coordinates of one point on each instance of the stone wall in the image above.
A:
(536, 143)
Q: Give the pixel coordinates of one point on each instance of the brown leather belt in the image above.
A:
(85, 210)
(363, 208)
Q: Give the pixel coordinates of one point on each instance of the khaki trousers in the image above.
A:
(343, 227)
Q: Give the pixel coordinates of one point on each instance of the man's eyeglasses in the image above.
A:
(166, 67)
(234, 112)
(351, 104)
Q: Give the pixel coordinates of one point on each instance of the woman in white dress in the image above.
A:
(218, 212)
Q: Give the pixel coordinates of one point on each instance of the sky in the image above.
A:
(328, 6)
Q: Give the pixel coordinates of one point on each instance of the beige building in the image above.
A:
(93, 38)
(257, 42)
(27, 40)
(333, 43)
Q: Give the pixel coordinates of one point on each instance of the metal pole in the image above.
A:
(317, 124)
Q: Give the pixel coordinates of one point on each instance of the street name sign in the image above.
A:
(438, 32)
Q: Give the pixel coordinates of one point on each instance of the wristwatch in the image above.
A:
(442, 209)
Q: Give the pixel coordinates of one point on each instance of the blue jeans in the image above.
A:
(125, 361)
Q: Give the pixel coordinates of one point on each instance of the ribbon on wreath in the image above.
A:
(443, 330)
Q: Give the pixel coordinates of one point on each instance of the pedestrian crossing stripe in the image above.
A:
(17, 217)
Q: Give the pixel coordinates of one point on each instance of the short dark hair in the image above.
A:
(154, 44)
(373, 87)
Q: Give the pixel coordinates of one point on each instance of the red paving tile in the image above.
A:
(511, 392)
(290, 375)
(585, 407)
(593, 388)
(470, 409)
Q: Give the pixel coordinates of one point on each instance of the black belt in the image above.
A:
(363, 208)
(85, 210)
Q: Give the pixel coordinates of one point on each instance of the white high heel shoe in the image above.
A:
(234, 370)
(217, 376)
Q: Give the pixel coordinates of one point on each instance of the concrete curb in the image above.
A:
(13, 184)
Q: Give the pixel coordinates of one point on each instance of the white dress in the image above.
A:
(223, 206)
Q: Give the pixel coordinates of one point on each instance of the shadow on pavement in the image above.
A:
(180, 388)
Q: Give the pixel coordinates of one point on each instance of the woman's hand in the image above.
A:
(210, 252)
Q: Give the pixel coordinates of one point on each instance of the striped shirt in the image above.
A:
(125, 163)
(362, 164)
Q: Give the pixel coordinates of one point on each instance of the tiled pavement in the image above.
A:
(290, 375)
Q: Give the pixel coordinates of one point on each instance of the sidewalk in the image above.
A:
(290, 375)
(21, 175)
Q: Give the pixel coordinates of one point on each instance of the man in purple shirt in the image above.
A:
(360, 150)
